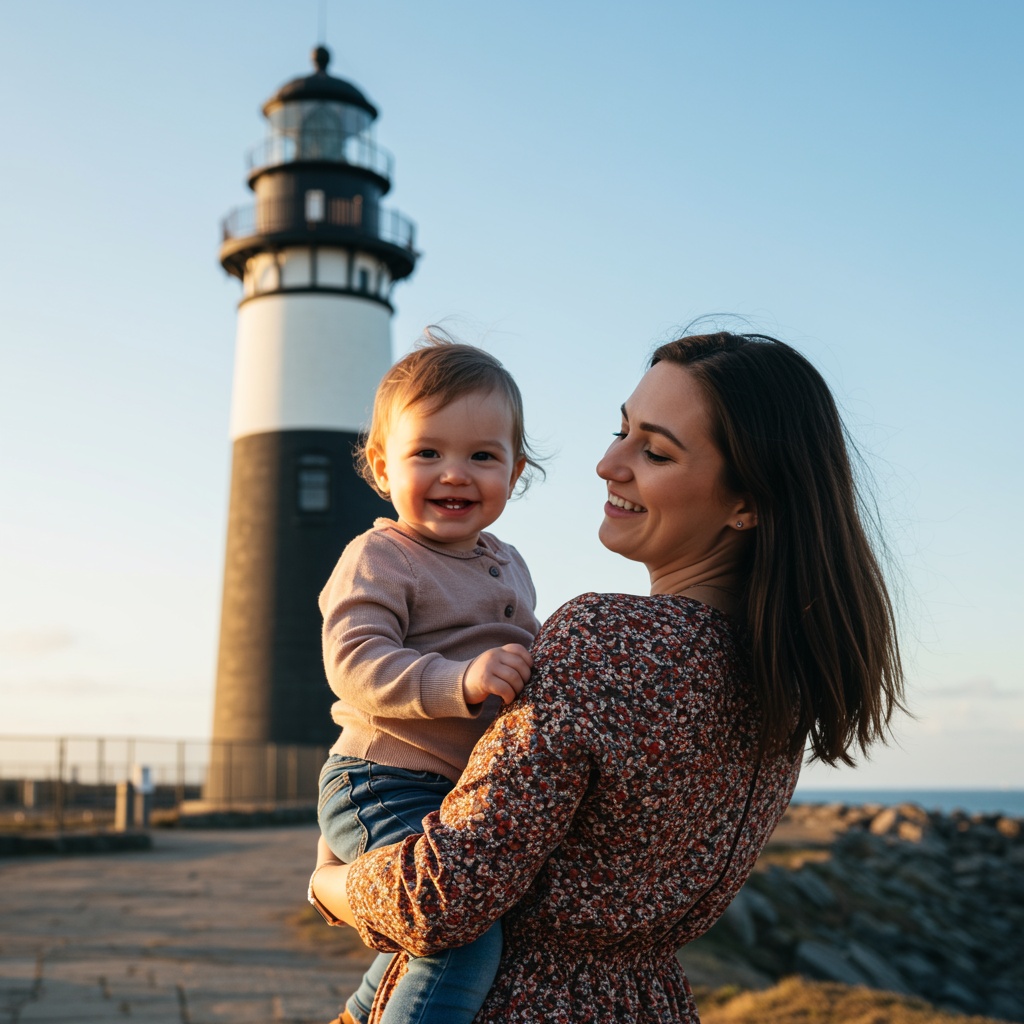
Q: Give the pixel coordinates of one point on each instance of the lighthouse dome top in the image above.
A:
(320, 86)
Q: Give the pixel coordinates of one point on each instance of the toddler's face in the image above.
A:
(449, 471)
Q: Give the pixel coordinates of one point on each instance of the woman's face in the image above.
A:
(668, 505)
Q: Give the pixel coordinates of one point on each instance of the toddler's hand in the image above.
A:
(501, 670)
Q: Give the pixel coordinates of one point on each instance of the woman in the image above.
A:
(615, 808)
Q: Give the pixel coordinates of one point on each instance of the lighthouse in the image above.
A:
(318, 256)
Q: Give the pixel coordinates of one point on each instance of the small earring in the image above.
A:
(739, 524)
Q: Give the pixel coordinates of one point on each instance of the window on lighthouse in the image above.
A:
(322, 136)
(314, 483)
(315, 205)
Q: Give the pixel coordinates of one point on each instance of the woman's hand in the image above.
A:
(327, 887)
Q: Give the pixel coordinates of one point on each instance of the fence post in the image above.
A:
(143, 783)
(58, 796)
(124, 806)
(179, 796)
(270, 792)
(293, 772)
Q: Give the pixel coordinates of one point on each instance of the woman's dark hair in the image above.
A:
(825, 656)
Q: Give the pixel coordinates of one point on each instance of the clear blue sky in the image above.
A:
(586, 178)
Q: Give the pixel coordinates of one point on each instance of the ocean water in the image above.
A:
(972, 801)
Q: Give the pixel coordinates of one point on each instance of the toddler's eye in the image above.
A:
(427, 453)
(481, 456)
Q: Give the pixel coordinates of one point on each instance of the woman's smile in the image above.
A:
(622, 505)
(668, 505)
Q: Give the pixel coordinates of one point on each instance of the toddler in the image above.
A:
(427, 621)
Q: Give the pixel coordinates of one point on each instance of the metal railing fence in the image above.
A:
(327, 145)
(67, 782)
(274, 214)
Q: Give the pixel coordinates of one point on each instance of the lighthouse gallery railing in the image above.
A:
(331, 146)
(270, 216)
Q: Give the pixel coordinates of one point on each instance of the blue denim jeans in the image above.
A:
(364, 806)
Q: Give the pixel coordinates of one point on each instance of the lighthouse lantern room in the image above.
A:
(318, 257)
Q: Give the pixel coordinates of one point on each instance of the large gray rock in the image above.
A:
(1006, 1004)
(926, 876)
(918, 968)
(761, 908)
(739, 919)
(881, 973)
(810, 885)
(928, 927)
(957, 995)
(972, 864)
(956, 962)
(858, 845)
(885, 936)
(827, 963)
(896, 888)
(885, 821)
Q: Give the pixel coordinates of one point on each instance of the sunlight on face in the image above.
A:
(668, 506)
(450, 471)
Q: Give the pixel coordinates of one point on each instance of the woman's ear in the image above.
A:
(744, 514)
(378, 467)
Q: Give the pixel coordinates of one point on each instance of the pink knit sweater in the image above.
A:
(403, 618)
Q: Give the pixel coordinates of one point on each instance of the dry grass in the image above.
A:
(796, 1001)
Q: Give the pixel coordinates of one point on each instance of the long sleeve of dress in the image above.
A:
(513, 805)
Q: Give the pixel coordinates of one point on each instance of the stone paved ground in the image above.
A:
(206, 927)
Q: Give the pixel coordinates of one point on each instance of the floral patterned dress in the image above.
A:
(609, 815)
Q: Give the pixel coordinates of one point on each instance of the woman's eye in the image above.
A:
(620, 434)
(652, 457)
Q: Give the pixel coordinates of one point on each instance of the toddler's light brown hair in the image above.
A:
(438, 371)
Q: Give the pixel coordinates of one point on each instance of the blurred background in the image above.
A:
(587, 179)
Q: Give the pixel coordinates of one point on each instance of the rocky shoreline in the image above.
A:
(900, 899)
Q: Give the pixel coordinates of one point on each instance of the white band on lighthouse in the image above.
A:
(308, 362)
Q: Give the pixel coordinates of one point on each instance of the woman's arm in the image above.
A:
(327, 887)
(494, 833)
(512, 807)
(478, 855)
